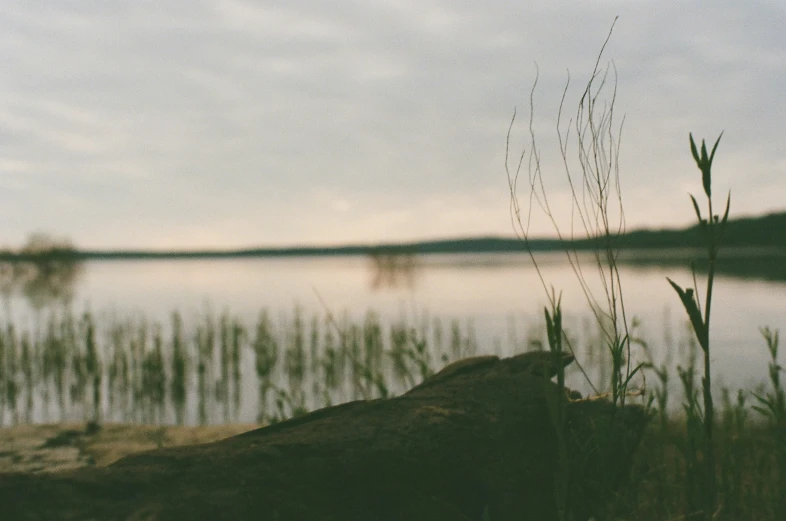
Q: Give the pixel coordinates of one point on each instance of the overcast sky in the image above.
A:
(229, 123)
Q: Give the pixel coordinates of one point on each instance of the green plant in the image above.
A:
(556, 408)
(772, 405)
(712, 229)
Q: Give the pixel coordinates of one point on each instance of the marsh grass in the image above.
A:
(692, 466)
(200, 370)
(748, 441)
(104, 367)
(153, 372)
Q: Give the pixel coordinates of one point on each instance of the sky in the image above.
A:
(228, 124)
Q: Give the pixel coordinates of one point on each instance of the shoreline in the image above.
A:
(57, 447)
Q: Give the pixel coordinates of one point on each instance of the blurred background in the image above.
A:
(156, 157)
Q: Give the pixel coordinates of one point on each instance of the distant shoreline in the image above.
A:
(638, 255)
(765, 235)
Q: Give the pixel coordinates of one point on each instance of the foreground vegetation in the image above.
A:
(140, 371)
(712, 463)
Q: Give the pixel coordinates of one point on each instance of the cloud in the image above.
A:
(219, 123)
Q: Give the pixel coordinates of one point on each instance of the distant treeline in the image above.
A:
(766, 232)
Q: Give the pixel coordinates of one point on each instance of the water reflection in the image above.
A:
(767, 264)
(393, 270)
(139, 362)
(45, 272)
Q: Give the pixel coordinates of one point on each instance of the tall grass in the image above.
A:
(596, 207)
(596, 203)
(712, 488)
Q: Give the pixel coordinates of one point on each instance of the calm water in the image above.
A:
(498, 295)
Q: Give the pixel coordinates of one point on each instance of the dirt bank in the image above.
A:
(56, 447)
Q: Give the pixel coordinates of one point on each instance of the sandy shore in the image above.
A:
(57, 447)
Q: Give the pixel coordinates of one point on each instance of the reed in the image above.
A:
(696, 467)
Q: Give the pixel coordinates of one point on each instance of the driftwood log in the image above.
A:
(477, 441)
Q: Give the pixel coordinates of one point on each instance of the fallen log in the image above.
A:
(479, 439)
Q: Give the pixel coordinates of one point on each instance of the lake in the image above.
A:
(495, 301)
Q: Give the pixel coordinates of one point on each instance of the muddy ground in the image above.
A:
(56, 447)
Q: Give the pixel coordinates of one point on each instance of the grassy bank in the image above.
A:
(750, 472)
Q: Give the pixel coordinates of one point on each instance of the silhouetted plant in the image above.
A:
(596, 201)
(713, 228)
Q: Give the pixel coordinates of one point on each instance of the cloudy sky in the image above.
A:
(231, 123)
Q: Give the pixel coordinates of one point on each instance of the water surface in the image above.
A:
(498, 299)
